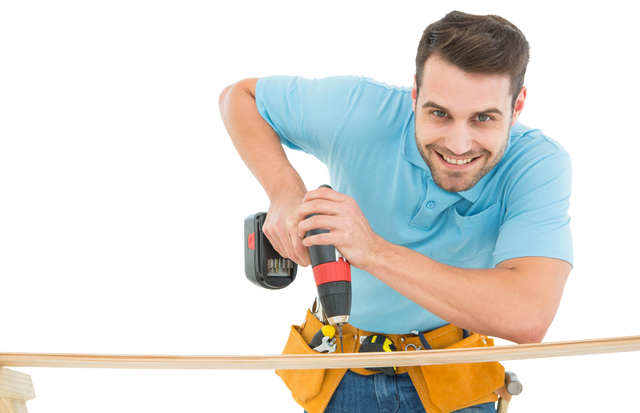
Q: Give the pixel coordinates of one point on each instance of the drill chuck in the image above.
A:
(336, 301)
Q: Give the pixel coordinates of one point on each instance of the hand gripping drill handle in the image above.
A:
(333, 279)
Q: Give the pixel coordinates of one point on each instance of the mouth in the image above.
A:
(453, 161)
(458, 166)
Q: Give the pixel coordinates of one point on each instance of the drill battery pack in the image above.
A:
(263, 266)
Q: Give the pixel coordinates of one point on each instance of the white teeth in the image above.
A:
(457, 161)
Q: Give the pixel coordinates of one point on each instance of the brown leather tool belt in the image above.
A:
(442, 388)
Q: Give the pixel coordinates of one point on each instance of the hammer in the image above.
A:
(512, 387)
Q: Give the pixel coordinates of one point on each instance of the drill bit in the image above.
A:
(340, 335)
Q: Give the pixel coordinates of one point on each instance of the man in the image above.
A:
(449, 210)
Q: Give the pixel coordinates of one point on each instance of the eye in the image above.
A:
(488, 118)
(439, 113)
(483, 118)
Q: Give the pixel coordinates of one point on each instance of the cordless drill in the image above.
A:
(333, 279)
(265, 269)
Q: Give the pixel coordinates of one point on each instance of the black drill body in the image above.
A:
(333, 279)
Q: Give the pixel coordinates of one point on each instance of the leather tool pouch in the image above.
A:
(450, 387)
(454, 386)
(311, 389)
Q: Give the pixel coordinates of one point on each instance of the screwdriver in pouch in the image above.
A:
(333, 279)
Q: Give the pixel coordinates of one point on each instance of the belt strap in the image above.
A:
(425, 343)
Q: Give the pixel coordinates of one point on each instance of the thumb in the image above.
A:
(306, 259)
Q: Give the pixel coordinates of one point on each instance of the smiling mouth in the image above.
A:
(457, 161)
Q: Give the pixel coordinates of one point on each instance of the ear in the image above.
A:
(414, 93)
(519, 106)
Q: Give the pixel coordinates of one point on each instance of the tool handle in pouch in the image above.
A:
(378, 343)
(323, 341)
(513, 385)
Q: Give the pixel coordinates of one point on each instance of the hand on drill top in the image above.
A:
(281, 228)
(350, 231)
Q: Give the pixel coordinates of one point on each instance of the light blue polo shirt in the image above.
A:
(363, 131)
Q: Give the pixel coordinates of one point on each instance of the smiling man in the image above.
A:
(452, 214)
(461, 128)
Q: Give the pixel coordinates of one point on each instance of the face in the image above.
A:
(462, 122)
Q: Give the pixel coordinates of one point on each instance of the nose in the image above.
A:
(459, 139)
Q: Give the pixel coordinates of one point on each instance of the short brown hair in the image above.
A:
(476, 44)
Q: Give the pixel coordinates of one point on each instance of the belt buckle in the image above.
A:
(416, 348)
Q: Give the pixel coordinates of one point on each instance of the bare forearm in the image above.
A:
(516, 301)
(256, 142)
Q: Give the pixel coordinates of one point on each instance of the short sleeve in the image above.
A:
(536, 219)
(306, 113)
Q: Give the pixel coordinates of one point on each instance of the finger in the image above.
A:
(277, 234)
(300, 250)
(324, 193)
(291, 250)
(307, 209)
(274, 240)
(290, 255)
(308, 224)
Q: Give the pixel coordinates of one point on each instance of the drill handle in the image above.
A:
(321, 254)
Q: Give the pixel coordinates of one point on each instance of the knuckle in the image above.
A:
(299, 250)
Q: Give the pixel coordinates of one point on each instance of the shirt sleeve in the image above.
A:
(306, 114)
(536, 219)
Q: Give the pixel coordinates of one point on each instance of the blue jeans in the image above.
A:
(384, 394)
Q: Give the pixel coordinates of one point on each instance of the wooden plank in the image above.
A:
(15, 385)
(270, 362)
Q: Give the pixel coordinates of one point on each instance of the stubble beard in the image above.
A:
(458, 181)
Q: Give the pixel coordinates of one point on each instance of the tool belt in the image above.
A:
(442, 388)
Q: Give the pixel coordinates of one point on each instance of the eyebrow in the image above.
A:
(430, 104)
